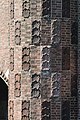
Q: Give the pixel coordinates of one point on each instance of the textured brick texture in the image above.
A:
(40, 58)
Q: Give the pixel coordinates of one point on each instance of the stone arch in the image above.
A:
(4, 78)
(3, 100)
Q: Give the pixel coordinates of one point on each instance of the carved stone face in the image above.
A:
(35, 39)
(26, 13)
(17, 25)
(36, 24)
(17, 40)
(26, 51)
(36, 32)
(17, 32)
(45, 50)
(35, 86)
(26, 7)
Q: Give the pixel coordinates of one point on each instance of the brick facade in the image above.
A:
(39, 60)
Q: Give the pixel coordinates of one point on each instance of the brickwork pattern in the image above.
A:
(38, 58)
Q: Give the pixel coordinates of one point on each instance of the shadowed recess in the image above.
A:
(3, 100)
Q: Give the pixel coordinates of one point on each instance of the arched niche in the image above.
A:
(3, 100)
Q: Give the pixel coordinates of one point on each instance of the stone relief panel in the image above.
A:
(17, 32)
(36, 37)
(26, 8)
(17, 85)
(26, 59)
(12, 59)
(33, 8)
(25, 110)
(55, 84)
(11, 110)
(46, 9)
(12, 9)
(45, 72)
(55, 32)
(35, 93)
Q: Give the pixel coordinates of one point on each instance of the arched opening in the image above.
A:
(3, 100)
